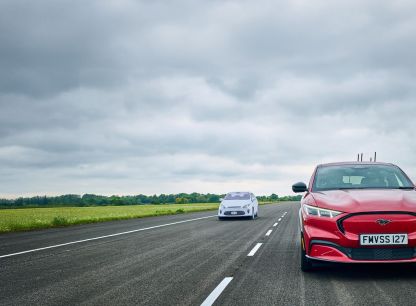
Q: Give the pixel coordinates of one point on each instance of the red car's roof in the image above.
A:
(354, 163)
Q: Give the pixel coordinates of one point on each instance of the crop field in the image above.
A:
(24, 219)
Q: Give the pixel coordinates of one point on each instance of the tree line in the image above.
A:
(99, 200)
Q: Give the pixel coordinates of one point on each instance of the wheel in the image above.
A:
(220, 218)
(253, 216)
(305, 262)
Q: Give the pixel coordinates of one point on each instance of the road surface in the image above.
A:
(188, 259)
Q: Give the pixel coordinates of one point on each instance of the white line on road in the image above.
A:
(254, 250)
(274, 225)
(280, 219)
(217, 291)
(102, 237)
(269, 232)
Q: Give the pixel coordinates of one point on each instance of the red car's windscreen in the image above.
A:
(360, 177)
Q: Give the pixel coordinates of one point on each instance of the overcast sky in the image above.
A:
(128, 97)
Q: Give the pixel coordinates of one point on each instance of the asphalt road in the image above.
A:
(187, 263)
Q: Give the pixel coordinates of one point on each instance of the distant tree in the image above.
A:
(274, 197)
(98, 200)
(181, 200)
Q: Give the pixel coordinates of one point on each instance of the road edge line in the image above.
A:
(102, 237)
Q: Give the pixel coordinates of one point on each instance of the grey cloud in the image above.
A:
(159, 96)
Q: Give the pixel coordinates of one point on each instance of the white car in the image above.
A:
(238, 204)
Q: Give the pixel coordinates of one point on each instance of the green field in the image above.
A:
(24, 219)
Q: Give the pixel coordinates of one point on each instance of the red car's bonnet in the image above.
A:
(352, 201)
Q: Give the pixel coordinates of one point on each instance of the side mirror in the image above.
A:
(221, 199)
(299, 187)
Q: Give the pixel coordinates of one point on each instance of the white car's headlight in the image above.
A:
(320, 212)
(246, 206)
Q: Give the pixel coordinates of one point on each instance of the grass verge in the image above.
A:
(13, 220)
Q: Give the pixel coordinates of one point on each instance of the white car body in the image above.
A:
(231, 208)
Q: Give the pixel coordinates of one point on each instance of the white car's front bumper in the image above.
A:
(235, 212)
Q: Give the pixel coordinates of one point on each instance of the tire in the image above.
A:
(220, 218)
(253, 216)
(305, 263)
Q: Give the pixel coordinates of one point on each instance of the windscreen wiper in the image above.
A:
(406, 187)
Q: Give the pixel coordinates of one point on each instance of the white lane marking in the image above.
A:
(269, 232)
(280, 219)
(102, 237)
(254, 250)
(274, 225)
(217, 291)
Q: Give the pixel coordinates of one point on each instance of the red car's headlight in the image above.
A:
(320, 212)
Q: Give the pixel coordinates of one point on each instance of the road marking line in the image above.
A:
(279, 220)
(102, 237)
(274, 225)
(254, 250)
(217, 291)
(269, 232)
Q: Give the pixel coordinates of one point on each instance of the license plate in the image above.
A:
(383, 239)
(233, 212)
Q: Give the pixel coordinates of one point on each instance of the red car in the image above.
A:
(357, 212)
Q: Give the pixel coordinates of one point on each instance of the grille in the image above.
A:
(382, 253)
(239, 213)
(340, 221)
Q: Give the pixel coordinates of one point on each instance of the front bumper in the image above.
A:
(234, 212)
(326, 240)
(328, 251)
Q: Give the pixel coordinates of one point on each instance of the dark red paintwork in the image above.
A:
(326, 238)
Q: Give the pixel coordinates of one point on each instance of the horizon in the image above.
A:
(136, 194)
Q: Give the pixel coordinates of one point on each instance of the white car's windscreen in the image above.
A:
(238, 196)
